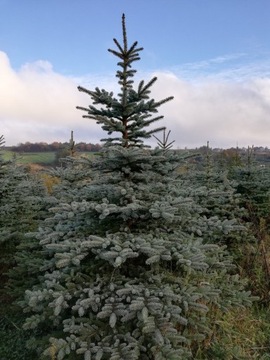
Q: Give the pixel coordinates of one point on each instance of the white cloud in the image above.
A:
(225, 113)
(226, 108)
(37, 104)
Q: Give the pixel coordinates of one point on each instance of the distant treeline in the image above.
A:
(55, 146)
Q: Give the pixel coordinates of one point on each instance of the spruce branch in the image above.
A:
(164, 143)
(2, 140)
(124, 32)
(143, 90)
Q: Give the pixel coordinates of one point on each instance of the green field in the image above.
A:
(45, 158)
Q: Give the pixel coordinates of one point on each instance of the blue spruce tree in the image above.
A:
(125, 275)
(22, 205)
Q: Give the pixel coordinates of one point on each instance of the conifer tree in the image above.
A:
(127, 273)
(212, 187)
(253, 187)
(22, 205)
(21, 202)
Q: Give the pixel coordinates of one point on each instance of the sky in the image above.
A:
(213, 56)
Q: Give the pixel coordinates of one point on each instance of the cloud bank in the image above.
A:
(227, 108)
(226, 114)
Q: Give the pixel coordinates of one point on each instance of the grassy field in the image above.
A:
(42, 158)
(45, 158)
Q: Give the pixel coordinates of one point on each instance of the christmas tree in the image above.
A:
(22, 205)
(127, 273)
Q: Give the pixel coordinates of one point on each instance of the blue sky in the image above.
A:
(212, 55)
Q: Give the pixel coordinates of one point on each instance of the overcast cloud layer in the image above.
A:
(228, 107)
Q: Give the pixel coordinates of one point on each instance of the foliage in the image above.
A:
(13, 339)
(129, 259)
(253, 185)
(22, 205)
